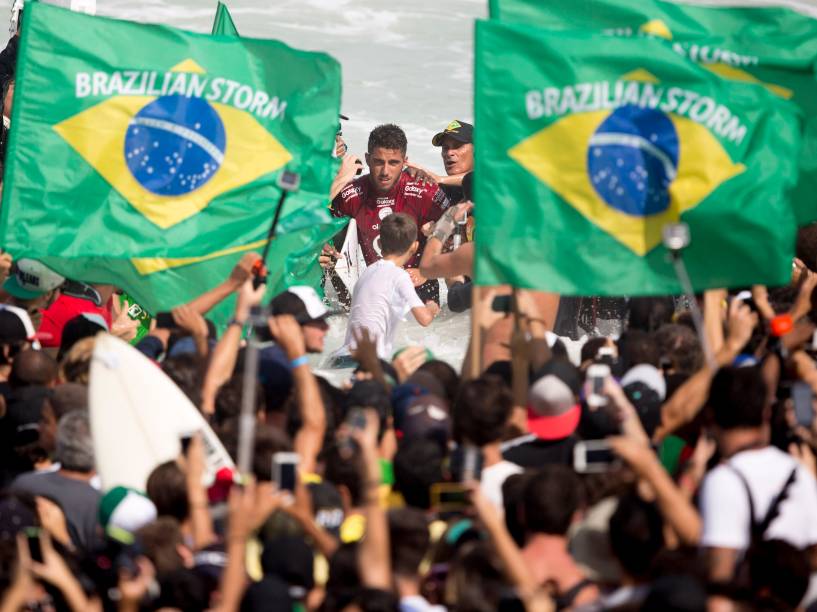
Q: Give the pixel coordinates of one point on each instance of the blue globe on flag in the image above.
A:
(632, 159)
(174, 145)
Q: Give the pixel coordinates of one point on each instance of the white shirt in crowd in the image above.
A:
(725, 507)
(383, 296)
(492, 478)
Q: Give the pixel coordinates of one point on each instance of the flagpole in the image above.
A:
(476, 333)
(676, 238)
(287, 182)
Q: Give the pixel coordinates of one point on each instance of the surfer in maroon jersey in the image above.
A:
(385, 190)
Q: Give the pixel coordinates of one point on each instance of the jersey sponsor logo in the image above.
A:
(376, 246)
(414, 189)
(350, 191)
(384, 202)
(384, 212)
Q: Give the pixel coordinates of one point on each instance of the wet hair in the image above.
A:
(75, 448)
(650, 313)
(481, 411)
(159, 541)
(737, 398)
(418, 464)
(636, 534)
(32, 367)
(167, 489)
(447, 376)
(185, 371)
(388, 136)
(679, 347)
(398, 232)
(409, 537)
(551, 497)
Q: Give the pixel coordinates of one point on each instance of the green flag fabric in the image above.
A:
(136, 140)
(158, 284)
(772, 45)
(588, 145)
(223, 23)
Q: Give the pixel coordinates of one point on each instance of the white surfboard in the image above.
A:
(138, 416)
(349, 266)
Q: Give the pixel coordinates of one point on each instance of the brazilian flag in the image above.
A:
(774, 46)
(132, 140)
(223, 23)
(156, 171)
(587, 146)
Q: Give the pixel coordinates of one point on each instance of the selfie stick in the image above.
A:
(676, 238)
(287, 182)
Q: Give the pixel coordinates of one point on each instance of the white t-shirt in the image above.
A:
(725, 507)
(492, 478)
(383, 296)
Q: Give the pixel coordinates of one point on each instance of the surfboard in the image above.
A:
(138, 416)
(349, 267)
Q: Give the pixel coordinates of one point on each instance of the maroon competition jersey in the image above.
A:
(358, 200)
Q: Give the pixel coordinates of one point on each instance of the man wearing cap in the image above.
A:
(553, 416)
(456, 144)
(33, 287)
(387, 189)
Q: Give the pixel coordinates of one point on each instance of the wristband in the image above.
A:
(235, 321)
(297, 363)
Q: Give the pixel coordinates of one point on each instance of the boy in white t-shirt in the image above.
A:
(384, 293)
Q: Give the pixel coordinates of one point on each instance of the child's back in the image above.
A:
(383, 296)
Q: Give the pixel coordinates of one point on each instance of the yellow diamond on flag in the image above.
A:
(170, 156)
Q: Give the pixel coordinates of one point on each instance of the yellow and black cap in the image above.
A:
(458, 130)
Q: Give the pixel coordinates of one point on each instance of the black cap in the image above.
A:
(458, 130)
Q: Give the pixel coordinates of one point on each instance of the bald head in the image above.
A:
(33, 368)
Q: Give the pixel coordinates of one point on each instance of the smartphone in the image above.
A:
(501, 303)
(746, 298)
(597, 374)
(165, 320)
(285, 470)
(466, 463)
(33, 537)
(593, 457)
(803, 397)
(449, 497)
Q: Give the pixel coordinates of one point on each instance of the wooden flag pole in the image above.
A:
(476, 333)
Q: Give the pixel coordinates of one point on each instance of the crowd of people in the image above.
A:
(663, 468)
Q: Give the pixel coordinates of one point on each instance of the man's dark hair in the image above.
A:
(388, 136)
(737, 398)
(591, 348)
(650, 313)
(159, 541)
(409, 537)
(679, 347)
(397, 233)
(268, 441)
(477, 578)
(418, 465)
(636, 534)
(551, 498)
(513, 498)
(636, 347)
(183, 589)
(481, 411)
(185, 370)
(167, 489)
(447, 376)
(346, 471)
(32, 367)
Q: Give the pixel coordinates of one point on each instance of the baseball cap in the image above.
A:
(553, 410)
(425, 417)
(648, 375)
(458, 130)
(30, 279)
(16, 326)
(301, 302)
(123, 509)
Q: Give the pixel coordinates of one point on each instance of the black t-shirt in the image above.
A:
(528, 451)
